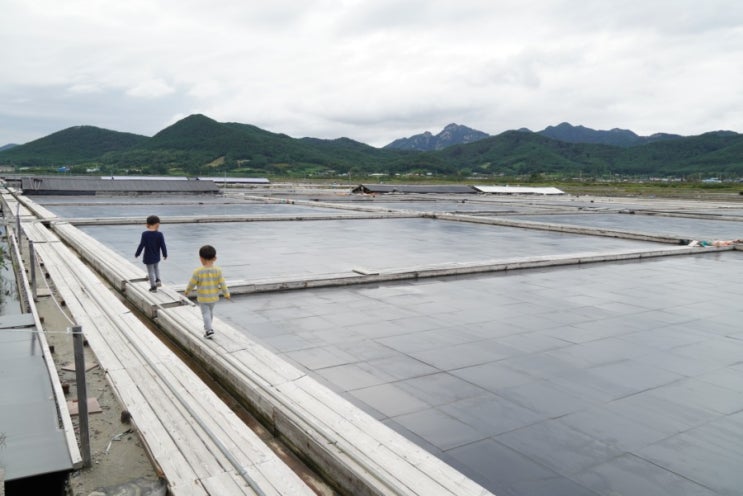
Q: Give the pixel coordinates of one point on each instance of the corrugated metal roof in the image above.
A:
(216, 179)
(236, 180)
(519, 190)
(422, 188)
(89, 185)
(33, 443)
(147, 178)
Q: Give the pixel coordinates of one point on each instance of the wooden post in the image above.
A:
(82, 393)
(18, 224)
(32, 261)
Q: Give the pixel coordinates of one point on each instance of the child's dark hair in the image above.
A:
(208, 252)
(152, 220)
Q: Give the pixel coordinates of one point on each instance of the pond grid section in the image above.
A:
(596, 379)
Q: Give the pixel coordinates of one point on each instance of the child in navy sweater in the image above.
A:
(153, 243)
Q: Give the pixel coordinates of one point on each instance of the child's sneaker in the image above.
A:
(153, 289)
(208, 334)
(158, 283)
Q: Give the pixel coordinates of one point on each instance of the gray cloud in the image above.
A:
(371, 70)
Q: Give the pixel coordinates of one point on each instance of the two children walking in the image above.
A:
(207, 280)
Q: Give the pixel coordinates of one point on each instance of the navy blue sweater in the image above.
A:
(153, 242)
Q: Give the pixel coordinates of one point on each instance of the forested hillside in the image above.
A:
(200, 145)
(69, 146)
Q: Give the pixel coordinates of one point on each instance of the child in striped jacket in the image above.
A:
(209, 283)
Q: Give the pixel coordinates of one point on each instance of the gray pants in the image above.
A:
(207, 312)
(153, 272)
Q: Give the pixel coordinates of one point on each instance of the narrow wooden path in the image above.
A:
(198, 443)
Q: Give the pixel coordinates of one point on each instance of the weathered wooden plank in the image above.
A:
(181, 476)
(35, 208)
(230, 430)
(188, 318)
(15, 208)
(149, 302)
(317, 421)
(259, 463)
(103, 335)
(115, 268)
(95, 325)
(38, 233)
(230, 484)
(186, 435)
(148, 383)
(201, 451)
(264, 364)
(225, 483)
(399, 456)
(228, 370)
(354, 437)
(98, 321)
(246, 355)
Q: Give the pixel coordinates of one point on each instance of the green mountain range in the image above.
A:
(454, 134)
(199, 145)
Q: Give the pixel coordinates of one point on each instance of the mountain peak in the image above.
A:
(452, 134)
(195, 124)
(8, 146)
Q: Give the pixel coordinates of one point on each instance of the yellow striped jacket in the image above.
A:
(208, 282)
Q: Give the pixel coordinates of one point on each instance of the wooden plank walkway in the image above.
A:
(34, 209)
(546, 226)
(13, 208)
(368, 276)
(199, 444)
(114, 268)
(190, 219)
(351, 448)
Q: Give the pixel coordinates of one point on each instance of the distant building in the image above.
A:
(422, 188)
(519, 190)
(454, 189)
(236, 180)
(82, 185)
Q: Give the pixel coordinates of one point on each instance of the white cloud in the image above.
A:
(152, 88)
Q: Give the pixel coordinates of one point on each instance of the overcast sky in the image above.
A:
(371, 70)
